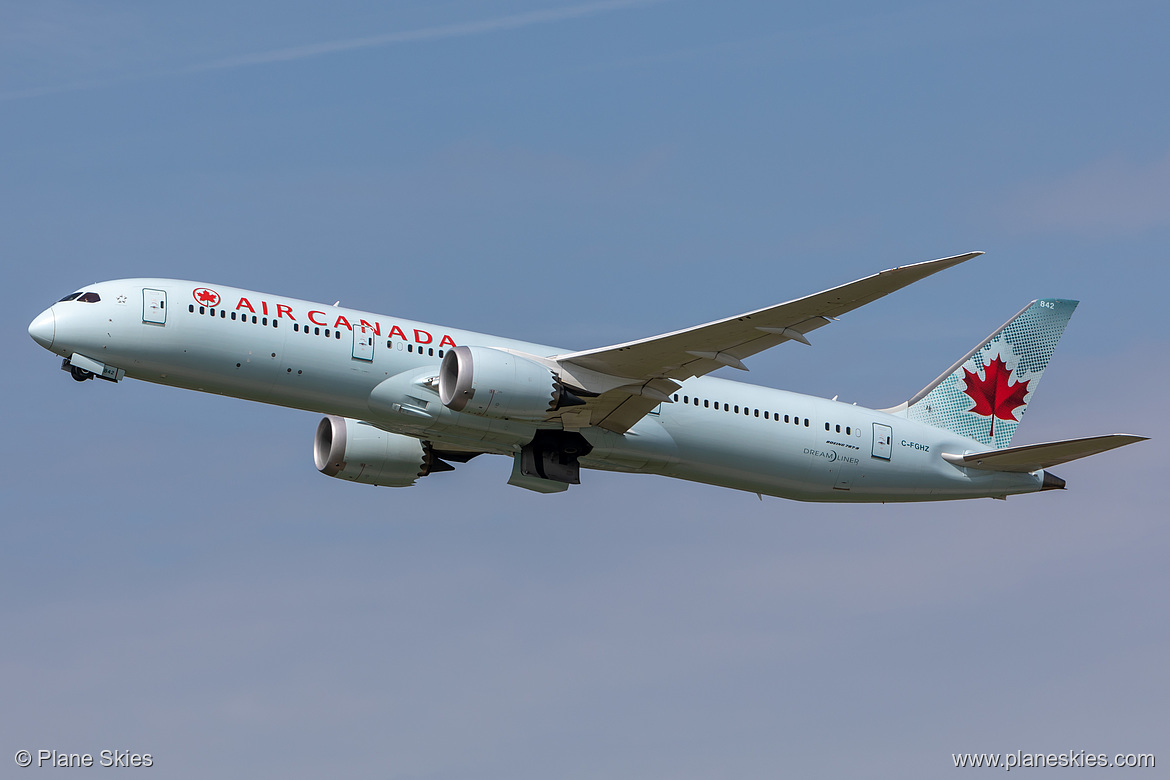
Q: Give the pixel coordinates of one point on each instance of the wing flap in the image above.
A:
(1033, 457)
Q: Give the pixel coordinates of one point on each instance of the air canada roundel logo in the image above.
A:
(206, 297)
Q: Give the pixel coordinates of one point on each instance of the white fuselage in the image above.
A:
(332, 360)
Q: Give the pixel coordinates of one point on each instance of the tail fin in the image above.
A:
(984, 395)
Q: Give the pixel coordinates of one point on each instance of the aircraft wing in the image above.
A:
(652, 365)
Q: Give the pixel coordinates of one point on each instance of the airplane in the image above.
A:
(404, 399)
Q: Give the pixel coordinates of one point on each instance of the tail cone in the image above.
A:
(1052, 482)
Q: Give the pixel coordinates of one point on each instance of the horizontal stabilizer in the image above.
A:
(1033, 457)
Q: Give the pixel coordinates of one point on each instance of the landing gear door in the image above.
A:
(154, 306)
(883, 441)
(363, 342)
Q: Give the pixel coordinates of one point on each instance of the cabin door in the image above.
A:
(363, 342)
(883, 441)
(154, 306)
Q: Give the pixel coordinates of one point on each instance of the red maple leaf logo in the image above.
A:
(993, 395)
(206, 297)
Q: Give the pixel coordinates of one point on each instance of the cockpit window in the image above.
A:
(89, 297)
(69, 297)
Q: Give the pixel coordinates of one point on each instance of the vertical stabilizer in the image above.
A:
(984, 395)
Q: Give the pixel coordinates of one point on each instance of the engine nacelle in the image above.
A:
(359, 452)
(493, 383)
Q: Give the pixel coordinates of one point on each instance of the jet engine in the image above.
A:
(493, 383)
(359, 452)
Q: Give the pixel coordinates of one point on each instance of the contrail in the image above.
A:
(465, 29)
(462, 30)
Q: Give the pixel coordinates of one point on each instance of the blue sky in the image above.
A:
(177, 579)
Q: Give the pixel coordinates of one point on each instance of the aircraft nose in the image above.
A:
(44, 328)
